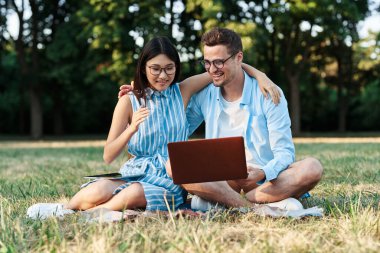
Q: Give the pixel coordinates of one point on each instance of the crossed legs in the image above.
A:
(220, 192)
(298, 179)
(100, 195)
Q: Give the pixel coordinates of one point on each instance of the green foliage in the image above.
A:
(9, 95)
(78, 81)
(86, 49)
(368, 110)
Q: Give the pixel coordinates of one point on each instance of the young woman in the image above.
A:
(146, 121)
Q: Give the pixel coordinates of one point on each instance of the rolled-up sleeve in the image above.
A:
(280, 138)
(194, 113)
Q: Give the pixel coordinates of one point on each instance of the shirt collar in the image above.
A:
(218, 93)
(165, 93)
(247, 90)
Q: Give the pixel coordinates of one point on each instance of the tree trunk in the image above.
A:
(23, 86)
(35, 114)
(21, 112)
(57, 111)
(272, 59)
(171, 11)
(58, 128)
(345, 74)
(342, 105)
(20, 52)
(292, 72)
(295, 105)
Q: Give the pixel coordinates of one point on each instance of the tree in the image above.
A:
(284, 45)
(72, 55)
(339, 35)
(366, 112)
(33, 35)
(294, 32)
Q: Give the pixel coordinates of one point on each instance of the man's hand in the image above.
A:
(254, 175)
(125, 88)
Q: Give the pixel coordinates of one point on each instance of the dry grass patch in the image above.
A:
(349, 193)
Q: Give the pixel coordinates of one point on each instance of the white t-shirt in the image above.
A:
(232, 122)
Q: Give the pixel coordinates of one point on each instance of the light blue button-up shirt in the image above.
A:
(267, 131)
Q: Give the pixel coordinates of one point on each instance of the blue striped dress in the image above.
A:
(165, 123)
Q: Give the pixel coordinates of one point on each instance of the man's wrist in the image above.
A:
(262, 174)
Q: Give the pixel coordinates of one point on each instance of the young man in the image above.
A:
(234, 106)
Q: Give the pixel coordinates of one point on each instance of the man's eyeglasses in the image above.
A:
(218, 63)
(156, 70)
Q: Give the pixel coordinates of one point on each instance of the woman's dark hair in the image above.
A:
(156, 46)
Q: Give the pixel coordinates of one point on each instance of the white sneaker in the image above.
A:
(197, 203)
(289, 204)
(45, 210)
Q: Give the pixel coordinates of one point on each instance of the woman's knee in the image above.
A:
(94, 194)
(133, 196)
(136, 189)
(99, 191)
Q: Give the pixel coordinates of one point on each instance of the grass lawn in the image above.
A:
(349, 193)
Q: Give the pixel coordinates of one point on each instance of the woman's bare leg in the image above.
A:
(94, 194)
(129, 198)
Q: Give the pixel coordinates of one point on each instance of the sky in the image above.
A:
(372, 22)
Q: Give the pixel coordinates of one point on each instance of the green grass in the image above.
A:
(349, 193)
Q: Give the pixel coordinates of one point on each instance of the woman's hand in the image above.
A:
(267, 86)
(124, 89)
(138, 117)
(168, 168)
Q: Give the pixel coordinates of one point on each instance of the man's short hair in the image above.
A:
(223, 36)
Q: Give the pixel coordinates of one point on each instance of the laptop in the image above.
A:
(207, 160)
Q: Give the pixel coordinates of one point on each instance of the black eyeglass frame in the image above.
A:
(215, 62)
(162, 69)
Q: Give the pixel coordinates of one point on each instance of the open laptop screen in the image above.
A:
(208, 160)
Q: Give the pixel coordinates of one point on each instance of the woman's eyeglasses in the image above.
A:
(156, 70)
